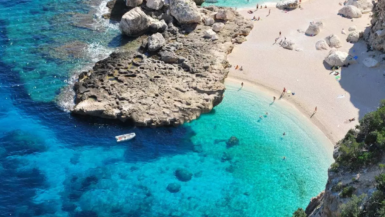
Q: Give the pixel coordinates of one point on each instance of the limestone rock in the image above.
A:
(133, 3)
(173, 187)
(370, 62)
(288, 44)
(217, 27)
(225, 15)
(183, 175)
(288, 4)
(185, 11)
(208, 21)
(354, 36)
(233, 141)
(338, 58)
(155, 4)
(314, 28)
(333, 41)
(210, 34)
(361, 4)
(158, 26)
(134, 22)
(156, 42)
(350, 11)
(321, 45)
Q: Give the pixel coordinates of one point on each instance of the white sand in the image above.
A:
(303, 72)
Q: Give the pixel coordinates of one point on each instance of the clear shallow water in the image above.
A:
(239, 3)
(53, 164)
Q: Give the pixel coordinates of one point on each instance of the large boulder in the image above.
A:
(225, 15)
(350, 11)
(133, 3)
(156, 42)
(288, 44)
(158, 26)
(361, 4)
(338, 58)
(333, 41)
(217, 27)
(314, 28)
(185, 11)
(155, 4)
(321, 45)
(370, 62)
(288, 4)
(354, 36)
(183, 175)
(134, 22)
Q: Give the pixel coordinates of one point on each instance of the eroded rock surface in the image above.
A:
(177, 83)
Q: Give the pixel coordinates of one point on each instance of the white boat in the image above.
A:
(125, 137)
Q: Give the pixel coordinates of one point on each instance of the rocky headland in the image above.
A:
(175, 75)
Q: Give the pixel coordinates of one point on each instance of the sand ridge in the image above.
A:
(303, 72)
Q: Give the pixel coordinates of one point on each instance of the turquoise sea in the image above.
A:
(55, 164)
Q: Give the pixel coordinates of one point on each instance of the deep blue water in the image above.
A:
(55, 164)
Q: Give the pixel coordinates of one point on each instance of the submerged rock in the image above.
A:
(233, 141)
(173, 187)
(183, 175)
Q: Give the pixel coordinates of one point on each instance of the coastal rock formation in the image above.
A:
(350, 11)
(155, 4)
(288, 4)
(333, 41)
(370, 62)
(376, 34)
(133, 3)
(134, 22)
(338, 58)
(173, 78)
(185, 11)
(314, 28)
(321, 45)
(354, 36)
(156, 42)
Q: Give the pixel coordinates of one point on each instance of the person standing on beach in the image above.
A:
(279, 33)
(257, 6)
(274, 98)
(284, 90)
(315, 110)
(242, 84)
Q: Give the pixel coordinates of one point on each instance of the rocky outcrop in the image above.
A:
(185, 11)
(350, 11)
(288, 4)
(225, 15)
(376, 34)
(182, 78)
(134, 22)
(314, 28)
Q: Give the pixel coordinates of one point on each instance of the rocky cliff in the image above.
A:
(175, 75)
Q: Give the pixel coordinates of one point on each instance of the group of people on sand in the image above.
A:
(240, 68)
(257, 7)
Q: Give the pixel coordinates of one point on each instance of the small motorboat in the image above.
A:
(125, 137)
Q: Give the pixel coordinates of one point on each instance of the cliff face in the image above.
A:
(376, 34)
(175, 75)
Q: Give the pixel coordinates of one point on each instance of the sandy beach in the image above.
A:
(304, 72)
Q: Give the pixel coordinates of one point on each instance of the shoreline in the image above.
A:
(269, 66)
(289, 100)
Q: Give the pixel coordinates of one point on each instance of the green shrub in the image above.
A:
(352, 208)
(338, 187)
(347, 191)
(299, 213)
(380, 179)
(334, 167)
